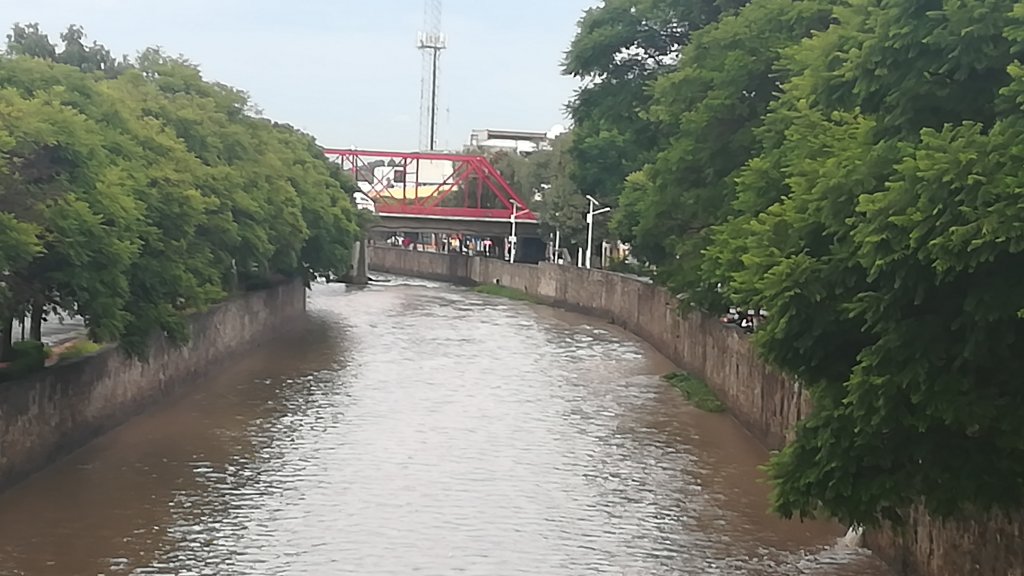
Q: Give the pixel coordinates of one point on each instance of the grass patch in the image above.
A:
(506, 292)
(696, 391)
(79, 349)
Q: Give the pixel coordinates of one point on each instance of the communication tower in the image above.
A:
(431, 43)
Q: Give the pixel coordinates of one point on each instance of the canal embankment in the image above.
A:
(51, 413)
(413, 427)
(766, 403)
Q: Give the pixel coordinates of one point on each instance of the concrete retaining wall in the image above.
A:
(765, 402)
(981, 545)
(54, 412)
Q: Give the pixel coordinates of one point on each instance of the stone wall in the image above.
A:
(983, 545)
(765, 402)
(54, 412)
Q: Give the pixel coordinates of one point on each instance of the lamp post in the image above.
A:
(558, 239)
(590, 226)
(512, 243)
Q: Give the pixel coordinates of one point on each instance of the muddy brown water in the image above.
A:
(420, 429)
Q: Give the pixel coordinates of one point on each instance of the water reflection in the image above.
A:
(415, 428)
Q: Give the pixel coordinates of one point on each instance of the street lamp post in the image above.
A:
(513, 241)
(590, 227)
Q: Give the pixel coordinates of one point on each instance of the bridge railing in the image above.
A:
(442, 213)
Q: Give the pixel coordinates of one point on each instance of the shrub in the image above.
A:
(29, 357)
(79, 349)
(696, 391)
(506, 292)
(628, 267)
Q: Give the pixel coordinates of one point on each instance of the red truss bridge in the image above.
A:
(436, 192)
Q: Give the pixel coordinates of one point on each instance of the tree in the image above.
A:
(712, 105)
(561, 207)
(854, 168)
(132, 195)
(526, 175)
(88, 59)
(18, 245)
(60, 182)
(28, 40)
(881, 228)
(620, 48)
(324, 191)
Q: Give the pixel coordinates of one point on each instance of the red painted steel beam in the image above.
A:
(464, 169)
(400, 155)
(461, 213)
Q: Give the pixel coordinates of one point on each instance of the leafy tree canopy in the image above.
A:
(561, 207)
(28, 40)
(712, 104)
(881, 227)
(854, 168)
(132, 193)
(621, 46)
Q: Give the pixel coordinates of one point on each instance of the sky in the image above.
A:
(348, 71)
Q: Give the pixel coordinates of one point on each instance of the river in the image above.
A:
(420, 429)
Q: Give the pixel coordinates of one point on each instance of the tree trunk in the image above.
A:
(35, 332)
(6, 338)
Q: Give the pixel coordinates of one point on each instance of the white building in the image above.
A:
(364, 202)
(418, 179)
(520, 141)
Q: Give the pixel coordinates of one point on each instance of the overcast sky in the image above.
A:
(348, 71)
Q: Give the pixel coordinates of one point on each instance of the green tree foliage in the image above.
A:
(61, 183)
(712, 104)
(133, 194)
(561, 206)
(28, 40)
(881, 226)
(620, 47)
(854, 168)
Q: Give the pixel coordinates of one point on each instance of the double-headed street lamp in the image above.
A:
(590, 226)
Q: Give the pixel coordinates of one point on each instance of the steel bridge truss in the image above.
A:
(472, 190)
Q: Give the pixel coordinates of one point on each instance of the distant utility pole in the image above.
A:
(431, 42)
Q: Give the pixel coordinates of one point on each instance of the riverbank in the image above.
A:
(491, 428)
(52, 413)
(766, 403)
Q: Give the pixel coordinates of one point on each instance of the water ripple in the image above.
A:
(423, 429)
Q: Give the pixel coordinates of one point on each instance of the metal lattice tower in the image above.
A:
(431, 42)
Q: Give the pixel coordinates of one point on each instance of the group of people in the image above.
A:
(468, 245)
(747, 320)
(447, 244)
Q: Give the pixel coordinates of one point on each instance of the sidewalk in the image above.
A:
(56, 333)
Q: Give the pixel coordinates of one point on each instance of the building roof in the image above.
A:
(512, 135)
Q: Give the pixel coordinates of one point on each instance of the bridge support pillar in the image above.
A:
(359, 273)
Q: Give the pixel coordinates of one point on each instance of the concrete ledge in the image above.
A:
(52, 413)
